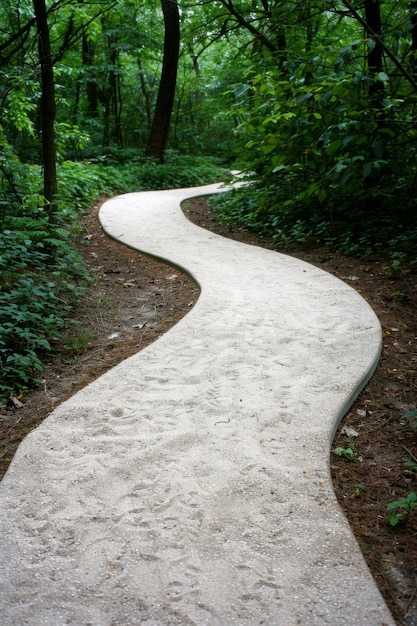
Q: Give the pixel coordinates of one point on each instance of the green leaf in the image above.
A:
(412, 500)
(344, 177)
(394, 519)
(266, 149)
(334, 147)
(340, 166)
(371, 44)
(322, 195)
(366, 170)
(378, 148)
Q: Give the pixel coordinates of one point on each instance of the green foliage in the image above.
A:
(111, 174)
(28, 316)
(107, 66)
(400, 509)
(359, 488)
(394, 268)
(324, 159)
(37, 292)
(69, 138)
(179, 171)
(410, 467)
(348, 452)
(41, 275)
(324, 168)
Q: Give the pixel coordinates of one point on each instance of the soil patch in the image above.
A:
(134, 299)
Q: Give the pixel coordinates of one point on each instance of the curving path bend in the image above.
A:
(190, 484)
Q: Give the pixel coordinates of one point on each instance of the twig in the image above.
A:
(410, 453)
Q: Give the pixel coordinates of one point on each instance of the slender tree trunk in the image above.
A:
(413, 51)
(119, 129)
(165, 101)
(386, 49)
(147, 96)
(115, 94)
(88, 51)
(309, 40)
(106, 120)
(47, 107)
(375, 54)
(75, 109)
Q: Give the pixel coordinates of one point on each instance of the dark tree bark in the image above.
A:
(389, 53)
(375, 54)
(115, 94)
(147, 97)
(88, 51)
(47, 107)
(110, 96)
(413, 51)
(165, 101)
(309, 40)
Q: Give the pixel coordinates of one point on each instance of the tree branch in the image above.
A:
(383, 45)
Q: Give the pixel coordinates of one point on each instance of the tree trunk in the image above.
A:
(165, 101)
(47, 107)
(115, 94)
(88, 51)
(386, 49)
(147, 97)
(375, 56)
(309, 42)
(413, 51)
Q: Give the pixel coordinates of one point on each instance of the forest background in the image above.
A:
(314, 101)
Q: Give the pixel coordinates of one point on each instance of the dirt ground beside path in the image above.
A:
(134, 299)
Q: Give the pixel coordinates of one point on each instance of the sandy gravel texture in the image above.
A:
(190, 484)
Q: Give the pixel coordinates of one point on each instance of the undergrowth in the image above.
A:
(42, 277)
(352, 231)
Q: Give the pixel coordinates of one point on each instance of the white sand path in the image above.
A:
(190, 484)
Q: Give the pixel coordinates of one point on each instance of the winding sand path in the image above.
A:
(190, 485)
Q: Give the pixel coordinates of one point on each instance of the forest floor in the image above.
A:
(134, 299)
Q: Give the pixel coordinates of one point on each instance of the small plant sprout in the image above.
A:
(394, 268)
(358, 489)
(400, 295)
(399, 509)
(348, 452)
(410, 467)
